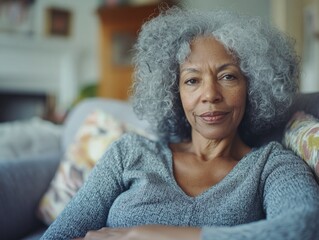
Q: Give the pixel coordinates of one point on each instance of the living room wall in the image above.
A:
(251, 7)
(43, 61)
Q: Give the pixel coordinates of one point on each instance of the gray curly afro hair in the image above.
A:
(266, 58)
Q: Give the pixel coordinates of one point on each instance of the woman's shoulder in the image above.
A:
(268, 157)
(276, 152)
(275, 149)
(134, 137)
(277, 157)
(133, 148)
(133, 141)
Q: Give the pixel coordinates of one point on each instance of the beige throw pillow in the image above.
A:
(98, 131)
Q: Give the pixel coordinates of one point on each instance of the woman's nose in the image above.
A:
(211, 92)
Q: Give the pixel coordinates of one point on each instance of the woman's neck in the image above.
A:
(209, 149)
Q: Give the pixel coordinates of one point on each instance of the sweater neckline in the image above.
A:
(241, 163)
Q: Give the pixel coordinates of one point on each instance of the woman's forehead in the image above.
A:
(208, 48)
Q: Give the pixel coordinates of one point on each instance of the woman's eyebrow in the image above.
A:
(219, 68)
(225, 65)
(189, 69)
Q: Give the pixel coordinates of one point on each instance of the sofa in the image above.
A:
(24, 181)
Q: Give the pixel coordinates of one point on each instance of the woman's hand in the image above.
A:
(154, 232)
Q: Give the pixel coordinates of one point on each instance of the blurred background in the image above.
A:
(53, 53)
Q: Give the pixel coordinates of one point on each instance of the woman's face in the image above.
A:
(212, 89)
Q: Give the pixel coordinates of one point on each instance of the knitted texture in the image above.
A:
(269, 194)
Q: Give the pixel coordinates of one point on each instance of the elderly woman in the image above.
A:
(205, 81)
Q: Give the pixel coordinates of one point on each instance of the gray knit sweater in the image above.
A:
(269, 194)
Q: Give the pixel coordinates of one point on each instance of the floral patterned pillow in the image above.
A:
(302, 136)
(98, 131)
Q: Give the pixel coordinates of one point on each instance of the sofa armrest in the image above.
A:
(304, 102)
(307, 102)
(22, 183)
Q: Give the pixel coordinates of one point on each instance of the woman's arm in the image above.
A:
(148, 232)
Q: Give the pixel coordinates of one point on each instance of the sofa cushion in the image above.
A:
(302, 136)
(97, 132)
(32, 137)
(22, 184)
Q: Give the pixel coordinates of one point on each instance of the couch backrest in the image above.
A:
(307, 102)
(121, 110)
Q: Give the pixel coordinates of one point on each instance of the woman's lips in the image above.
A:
(213, 117)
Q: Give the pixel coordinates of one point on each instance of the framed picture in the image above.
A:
(122, 44)
(59, 22)
(17, 16)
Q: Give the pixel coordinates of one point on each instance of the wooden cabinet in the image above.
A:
(119, 26)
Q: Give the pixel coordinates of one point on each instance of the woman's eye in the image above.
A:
(228, 77)
(191, 81)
